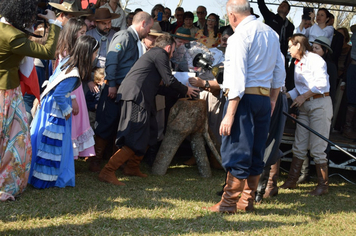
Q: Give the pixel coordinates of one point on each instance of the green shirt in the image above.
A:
(15, 45)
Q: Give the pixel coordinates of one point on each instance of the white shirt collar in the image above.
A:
(245, 21)
(138, 38)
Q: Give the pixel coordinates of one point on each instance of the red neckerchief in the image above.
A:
(296, 62)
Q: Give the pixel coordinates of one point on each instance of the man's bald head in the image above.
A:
(241, 7)
(142, 22)
(237, 10)
(141, 16)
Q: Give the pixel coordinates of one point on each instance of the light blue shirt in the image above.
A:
(253, 58)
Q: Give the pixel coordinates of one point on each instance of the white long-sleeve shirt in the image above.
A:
(253, 58)
(315, 31)
(310, 73)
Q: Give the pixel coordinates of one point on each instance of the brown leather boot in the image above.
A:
(214, 163)
(272, 188)
(247, 198)
(232, 190)
(293, 175)
(190, 162)
(107, 174)
(323, 180)
(132, 167)
(95, 161)
(348, 127)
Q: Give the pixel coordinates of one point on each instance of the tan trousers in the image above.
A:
(316, 114)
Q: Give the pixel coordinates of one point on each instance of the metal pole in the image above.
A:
(319, 135)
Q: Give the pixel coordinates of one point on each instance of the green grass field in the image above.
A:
(172, 205)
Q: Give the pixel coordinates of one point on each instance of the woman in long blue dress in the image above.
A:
(52, 156)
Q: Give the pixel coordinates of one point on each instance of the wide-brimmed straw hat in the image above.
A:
(183, 33)
(156, 30)
(102, 14)
(68, 7)
(323, 41)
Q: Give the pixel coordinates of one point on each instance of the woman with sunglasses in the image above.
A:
(210, 35)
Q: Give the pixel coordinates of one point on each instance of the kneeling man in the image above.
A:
(136, 96)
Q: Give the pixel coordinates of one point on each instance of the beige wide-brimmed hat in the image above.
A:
(68, 7)
(323, 41)
(102, 14)
(156, 30)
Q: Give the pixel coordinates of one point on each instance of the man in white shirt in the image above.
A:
(254, 73)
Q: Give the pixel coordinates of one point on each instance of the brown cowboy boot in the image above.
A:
(272, 188)
(323, 180)
(293, 175)
(107, 174)
(190, 162)
(132, 167)
(95, 161)
(247, 198)
(232, 190)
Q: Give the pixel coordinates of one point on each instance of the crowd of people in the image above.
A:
(106, 83)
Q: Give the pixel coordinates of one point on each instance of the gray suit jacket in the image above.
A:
(122, 55)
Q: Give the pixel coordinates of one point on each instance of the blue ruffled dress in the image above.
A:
(52, 156)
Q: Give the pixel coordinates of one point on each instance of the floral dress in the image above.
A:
(15, 144)
(211, 41)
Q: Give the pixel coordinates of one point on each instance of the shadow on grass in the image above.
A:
(207, 224)
(182, 189)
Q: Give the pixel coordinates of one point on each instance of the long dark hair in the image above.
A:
(19, 13)
(68, 36)
(216, 27)
(81, 56)
(327, 54)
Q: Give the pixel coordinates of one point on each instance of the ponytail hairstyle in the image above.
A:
(81, 56)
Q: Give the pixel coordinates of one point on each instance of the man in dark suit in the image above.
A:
(136, 97)
(124, 50)
(336, 43)
(278, 22)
